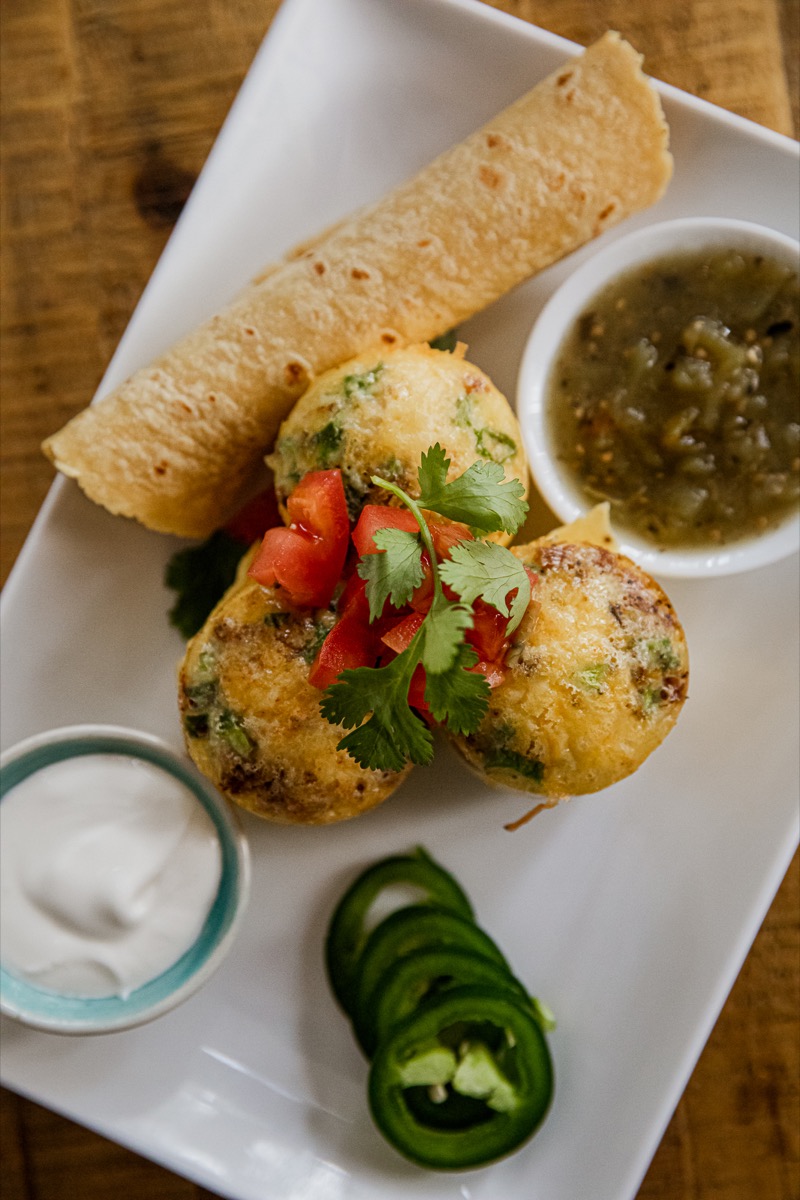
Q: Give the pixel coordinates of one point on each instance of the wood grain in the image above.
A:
(109, 109)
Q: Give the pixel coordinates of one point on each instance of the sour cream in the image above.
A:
(108, 869)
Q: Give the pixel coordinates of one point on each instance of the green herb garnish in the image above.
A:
(201, 575)
(481, 497)
(592, 678)
(359, 384)
(372, 702)
(512, 760)
(446, 341)
(230, 727)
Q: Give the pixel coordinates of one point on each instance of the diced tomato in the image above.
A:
(422, 596)
(354, 602)
(307, 558)
(488, 633)
(446, 534)
(399, 635)
(353, 599)
(296, 562)
(318, 506)
(349, 644)
(495, 672)
(258, 515)
(416, 690)
(380, 516)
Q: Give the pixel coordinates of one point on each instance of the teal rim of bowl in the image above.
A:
(46, 1009)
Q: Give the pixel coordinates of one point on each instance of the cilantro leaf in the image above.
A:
(393, 733)
(372, 702)
(481, 497)
(490, 571)
(442, 633)
(445, 341)
(394, 573)
(458, 697)
(200, 575)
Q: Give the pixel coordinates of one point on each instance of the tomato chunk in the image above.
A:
(353, 599)
(416, 691)
(399, 635)
(446, 534)
(380, 516)
(494, 672)
(349, 644)
(318, 506)
(307, 558)
(488, 633)
(258, 515)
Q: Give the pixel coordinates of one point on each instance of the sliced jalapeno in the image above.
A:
(476, 1059)
(420, 977)
(405, 932)
(394, 882)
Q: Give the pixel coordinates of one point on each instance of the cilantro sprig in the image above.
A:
(481, 497)
(372, 702)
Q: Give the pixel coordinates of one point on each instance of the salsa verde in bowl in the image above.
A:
(664, 377)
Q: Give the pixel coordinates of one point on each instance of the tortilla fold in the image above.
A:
(180, 445)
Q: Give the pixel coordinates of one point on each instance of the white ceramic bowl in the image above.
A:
(55, 1012)
(557, 318)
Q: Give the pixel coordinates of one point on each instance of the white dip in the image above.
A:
(108, 869)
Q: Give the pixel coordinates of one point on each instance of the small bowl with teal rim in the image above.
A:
(125, 877)
(663, 376)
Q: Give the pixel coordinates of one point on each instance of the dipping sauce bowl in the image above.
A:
(542, 386)
(127, 879)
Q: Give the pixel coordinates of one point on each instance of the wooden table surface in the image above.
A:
(109, 110)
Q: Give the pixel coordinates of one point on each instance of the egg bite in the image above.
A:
(597, 674)
(251, 719)
(379, 413)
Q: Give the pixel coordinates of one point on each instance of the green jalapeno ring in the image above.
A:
(349, 928)
(419, 977)
(473, 1049)
(405, 932)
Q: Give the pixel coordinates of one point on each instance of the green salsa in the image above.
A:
(676, 397)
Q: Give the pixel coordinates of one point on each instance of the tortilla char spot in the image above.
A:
(319, 267)
(295, 373)
(489, 176)
(563, 79)
(160, 468)
(359, 273)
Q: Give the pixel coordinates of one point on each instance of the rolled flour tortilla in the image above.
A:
(180, 444)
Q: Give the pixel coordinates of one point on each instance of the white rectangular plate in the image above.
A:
(629, 912)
